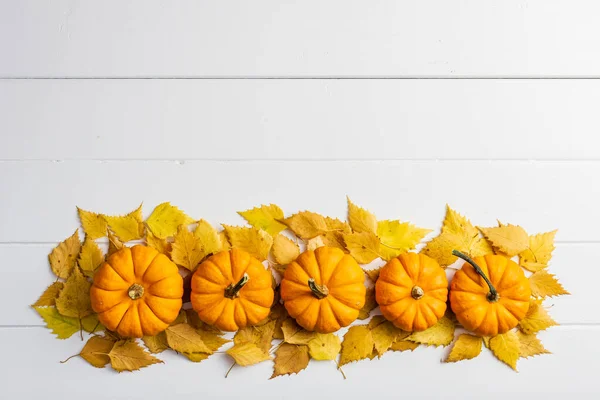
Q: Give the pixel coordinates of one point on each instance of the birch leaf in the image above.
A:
(255, 241)
(465, 347)
(74, 298)
(285, 250)
(290, 359)
(90, 258)
(186, 250)
(357, 345)
(545, 285)
(295, 334)
(94, 225)
(324, 346)
(166, 219)
(185, 339)
(160, 245)
(64, 257)
(127, 227)
(506, 348)
(370, 304)
(360, 219)
(156, 344)
(509, 239)
(363, 246)
(398, 237)
(316, 242)
(48, 298)
(96, 351)
(537, 319)
(440, 334)
(208, 237)
(306, 225)
(127, 355)
(538, 254)
(266, 218)
(530, 345)
(245, 354)
(114, 244)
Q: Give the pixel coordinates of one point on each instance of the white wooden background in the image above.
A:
(218, 106)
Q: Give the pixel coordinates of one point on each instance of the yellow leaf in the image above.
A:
(127, 355)
(306, 224)
(185, 339)
(370, 304)
(457, 234)
(440, 334)
(384, 335)
(266, 218)
(334, 237)
(245, 354)
(360, 219)
(114, 244)
(127, 227)
(225, 245)
(403, 345)
(285, 250)
(465, 347)
(538, 254)
(165, 219)
(294, 334)
(96, 351)
(324, 346)
(208, 236)
(544, 285)
(261, 335)
(537, 319)
(290, 359)
(186, 250)
(255, 241)
(398, 237)
(64, 256)
(357, 345)
(74, 298)
(48, 298)
(509, 239)
(90, 258)
(363, 246)
(373, 274)
(161, 245)
(530, 345)
(63, 327)
(94, 225)
(212, 340)
(506, 348)
(156, 344)
(315, 243)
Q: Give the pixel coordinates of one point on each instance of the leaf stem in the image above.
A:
(340, 369)
(493, 294)
(64, 361)
(229, 370)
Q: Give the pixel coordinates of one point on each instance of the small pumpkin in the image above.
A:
(232, 290)
(323, 289)
(137, 292)
(412, 291)
(489, 294)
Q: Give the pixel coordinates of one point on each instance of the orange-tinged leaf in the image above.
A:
(363, 246)
(360, 219)
(403, 345)
(544, 285)
(96, 350)
(90, 257)
(127, 355)
(74, 298)
(260, 335)
(114, 244)
(266, 218)
(373, 274)
(285, 250)
(94, 225)
(48, 298)
(166, 219)
(187, 249)
(127, 227)
(357, 344)
(306, 224)
(538, 254)
(506, 348)
(290, 359)
(370, 304)
(64, 256)
(465, 347)
(247, 353)
(509, 239)
(255, 241)
(398, 237)
(537, 319)
(157, 343)
(295, 334)
(185, 339)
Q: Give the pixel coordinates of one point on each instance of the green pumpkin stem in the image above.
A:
(232, 290)
(492, 296)
(319, 291)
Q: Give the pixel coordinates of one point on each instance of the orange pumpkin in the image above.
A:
(137, 292)
(412, 291)
(232, 290)
(323, 289)
(489, 295)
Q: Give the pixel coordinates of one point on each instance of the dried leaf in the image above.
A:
(212, 339)
(363, 246)
(440, 334)
(114, 244)
(48, 298)
(509, 239)
(306, 224)
(384, 335)
(74, 298)
(465, 347)
(186, 250)
(266, 218)
(245, 354)
(127, 355)
(160, 245)
(261, 335)
(90, 258)
(295, 334)
(64, 256)
(64, 327)
(403, 345)
(96, 351)
(165, 219)
(537, 319)
(370, 304)
(185, 339)
(357, 345)
(334, 237)
(208, 236)
(324, 346)
(373, 274)
(544, 285)
(94, 225)
(360, 219)
(225, 245)
(290, 359)
(315, 243)
(398, 237)
(285, 250)
(530, 345)
(506, 348)
(127, 227)
(255, 241)
(538, 254)
(156, 344)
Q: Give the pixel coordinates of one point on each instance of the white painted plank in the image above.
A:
(299, 119)
(141, 38)
(30, 275)
(567, 372)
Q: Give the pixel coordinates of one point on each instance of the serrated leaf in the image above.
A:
(157, 343)
(255, 241)
(266, 218)
(90, 257)
(334, 237)
(360, 219)
(538, 254)
(324, 346)
(384, 335)
(370, 304)
(537, 319)
(357, 344)
(285, 250)
(225, 245)
(187, 249)
(165, 219)
(247, 353)
(440, 334)
(74, 299)
(290, 359)
(261, 335)
(509, 239)
(545, 285)
(315, 243)
(64, 256)
(96, 351)
(306, 224)
(114, 244)
(404, 345)
(398, 237)
(530, 345)
(373, 274)
(208, 236)
(506, 348)
(127, 355)
(160, 245)
(465, 347)
(48, 298)
(129, 226)
(294, 333)
(64, 327)
(363, 246)
(94, 225)
(185, 339)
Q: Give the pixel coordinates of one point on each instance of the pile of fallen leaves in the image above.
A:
(276, 240)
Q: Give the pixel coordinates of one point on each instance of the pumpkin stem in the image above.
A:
(417, 292)
(492, 296)
(135, 291)
(319, 291)
(232, 290)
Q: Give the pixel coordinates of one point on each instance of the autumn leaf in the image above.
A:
(212, 339)
(185, 339)
(357, 345)
(48, 298)
(186, 250)
(509, 239)
(370, 304)
(536, 319)
(316, 242)
(457, 233)
(166, 219)
(384, 335)
(74, 298)
(64, 327)
(127, 227)
(94, 225)
(64, 256)
(363, 246)
(306, 224)
(373, 274)
(266, 218)
(545, 285)
(506, 348)
(440, 334)
(90, 257)
(334, 237)
(538, 254)
(247, 353)
(160, 245)
(96, 351)
(156, 344)
(324, 346)
(290, 359)
(225, 245)
(127, 355)
(285, 250)
(294, 333)
(465, 347)
(530, 345)
(208, 237)
(255, 241)
(398, 237)
(114, 244)
(403, 345)
(360, 219)
(261, 335)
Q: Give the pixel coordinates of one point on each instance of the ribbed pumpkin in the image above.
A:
(137, 292)
(232, 290)
(323, 289)
(489, 294)
(412, 291)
